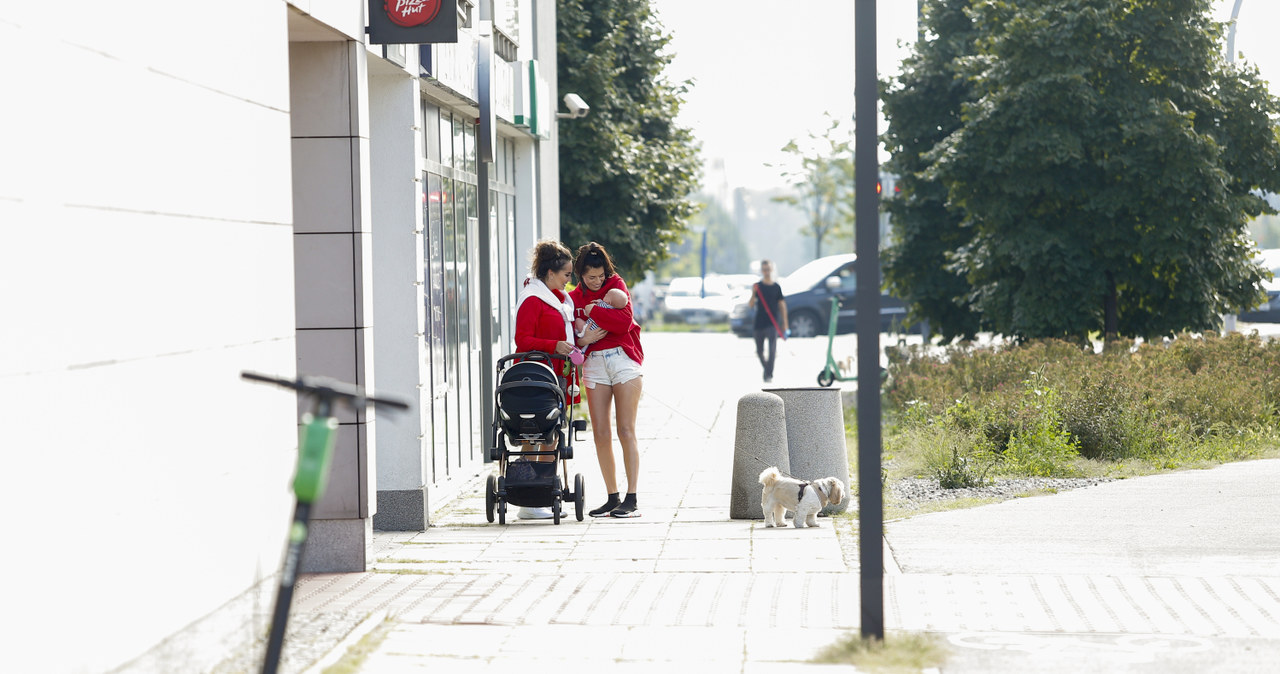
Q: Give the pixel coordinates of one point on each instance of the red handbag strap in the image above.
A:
(766, 309)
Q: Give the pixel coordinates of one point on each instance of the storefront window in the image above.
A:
(433, 329)
(469, 147)
(445, 139)
(459, 145)
(431, 135)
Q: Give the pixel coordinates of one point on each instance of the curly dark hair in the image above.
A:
(548, 255)
(593, 255)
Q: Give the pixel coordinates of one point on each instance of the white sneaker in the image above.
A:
(535, 513)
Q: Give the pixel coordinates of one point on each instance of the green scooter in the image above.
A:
(832, 373)
(315, 451)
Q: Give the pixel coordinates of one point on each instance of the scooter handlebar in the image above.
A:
(327, 388)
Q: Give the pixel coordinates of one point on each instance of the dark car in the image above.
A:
(1269, 311)
(809, 301)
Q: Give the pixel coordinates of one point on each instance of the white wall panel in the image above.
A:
(321, 91)
(147, 259)
(326, 164)
(326, 285)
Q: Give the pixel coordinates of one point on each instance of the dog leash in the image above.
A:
(766, 465)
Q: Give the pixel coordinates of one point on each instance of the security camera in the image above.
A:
(577, 106)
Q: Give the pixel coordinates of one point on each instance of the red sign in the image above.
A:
(410, 13)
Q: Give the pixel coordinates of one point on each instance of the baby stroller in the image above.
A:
(533, 407)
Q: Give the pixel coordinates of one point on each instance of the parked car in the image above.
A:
(1269, 311)
(687, 301)
(809, 301)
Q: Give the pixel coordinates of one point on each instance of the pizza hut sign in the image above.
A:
(410, 13)
(412, 21)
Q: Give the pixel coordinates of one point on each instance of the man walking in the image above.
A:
(771, 317)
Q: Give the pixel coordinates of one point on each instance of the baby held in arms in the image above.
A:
(614, 299)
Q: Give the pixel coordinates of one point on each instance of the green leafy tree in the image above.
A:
(924, 108)
(627, 170)
(1105, 163)
(823, 184)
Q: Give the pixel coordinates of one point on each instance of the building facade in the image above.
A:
(269, 192)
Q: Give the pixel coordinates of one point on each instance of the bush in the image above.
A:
(1043, 451)
(955, 456)
(1038, 407)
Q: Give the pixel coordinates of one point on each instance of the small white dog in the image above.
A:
(805, 499)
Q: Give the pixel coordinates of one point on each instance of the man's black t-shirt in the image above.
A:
(772, 294)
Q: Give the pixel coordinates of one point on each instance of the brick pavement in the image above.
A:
(685, 586)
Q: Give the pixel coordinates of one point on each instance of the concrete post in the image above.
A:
(815, 436)
(760, 441)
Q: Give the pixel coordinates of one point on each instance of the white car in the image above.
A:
(688, 300)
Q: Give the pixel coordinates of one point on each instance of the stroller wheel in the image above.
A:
(555, 512)
(502, 500)
(579, 496)
(490, 497)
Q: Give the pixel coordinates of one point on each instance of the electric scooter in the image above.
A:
(831, 372)
(315, 450)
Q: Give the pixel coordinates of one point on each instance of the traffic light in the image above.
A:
(891, 180)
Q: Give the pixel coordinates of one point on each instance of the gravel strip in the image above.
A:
(923, 490)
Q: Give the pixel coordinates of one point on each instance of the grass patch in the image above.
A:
(662, 326)
(353, 660)
(418, 572)
(902, 510)
(900, 652)
(965, 415)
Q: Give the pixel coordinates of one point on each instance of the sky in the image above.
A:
(764, 71)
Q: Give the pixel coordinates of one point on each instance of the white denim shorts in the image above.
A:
(609, 367)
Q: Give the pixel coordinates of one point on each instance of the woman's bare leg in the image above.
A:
(599, 399)
(627, 402)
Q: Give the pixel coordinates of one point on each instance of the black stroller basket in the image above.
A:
(531, 402)
(533, 406)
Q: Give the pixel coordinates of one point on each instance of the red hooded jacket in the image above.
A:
(623, 330)
(539, 326)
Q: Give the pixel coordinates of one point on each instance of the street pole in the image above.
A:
(1231, 33)
(1229, 320)
(867, 302)
(704, 263)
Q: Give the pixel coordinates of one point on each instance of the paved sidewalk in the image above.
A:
(1175, 573)
(1170, 573)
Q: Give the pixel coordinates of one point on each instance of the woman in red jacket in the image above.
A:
(611, 374)
(544, 318)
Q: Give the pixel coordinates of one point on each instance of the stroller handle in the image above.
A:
(532, 355)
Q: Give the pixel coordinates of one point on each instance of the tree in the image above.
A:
(823, 184)
(627, 170)
(1105, 164)
(924, 107)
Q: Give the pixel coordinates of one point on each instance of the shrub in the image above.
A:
(1037, 407)
(1043, 451)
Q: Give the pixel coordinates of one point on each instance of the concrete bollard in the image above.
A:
(760, 441)
(815, 436)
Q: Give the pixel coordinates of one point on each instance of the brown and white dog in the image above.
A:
(805, 499)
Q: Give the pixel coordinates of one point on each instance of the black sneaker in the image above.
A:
(604, 510)
(625, 510)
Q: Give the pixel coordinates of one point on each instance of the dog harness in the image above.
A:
(822, 496)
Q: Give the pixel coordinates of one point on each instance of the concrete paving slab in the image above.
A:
(1207, 522)
(1174, 573)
